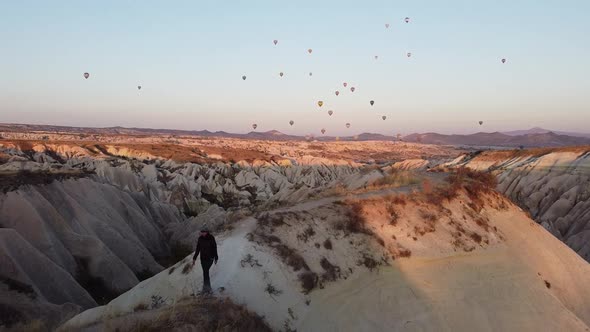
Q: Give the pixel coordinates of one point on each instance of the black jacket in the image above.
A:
(207, 247)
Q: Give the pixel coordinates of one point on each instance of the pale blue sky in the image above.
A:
(189, 57)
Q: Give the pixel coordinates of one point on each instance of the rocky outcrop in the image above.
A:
(107, 218)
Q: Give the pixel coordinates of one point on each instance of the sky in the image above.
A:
(189, 58)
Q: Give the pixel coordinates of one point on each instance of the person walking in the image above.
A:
(207, 247)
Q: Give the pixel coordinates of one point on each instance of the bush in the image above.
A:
(291, 257)
(249, 260)
(309, 281)
(332, 272)
(355, 221)
(187, 268)
(393, 216)
(307, 233)
(272, 290)
(476, 237)
(328, 244)
(369, 262)
(405, 252)
(157, 301)
(140, 307)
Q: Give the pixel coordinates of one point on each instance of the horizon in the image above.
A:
(189, 59)
(327, 135)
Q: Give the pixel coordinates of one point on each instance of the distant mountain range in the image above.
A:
(549, 139)
(538, 130)
(535, 137)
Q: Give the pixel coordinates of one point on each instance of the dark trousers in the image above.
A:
(206, 265)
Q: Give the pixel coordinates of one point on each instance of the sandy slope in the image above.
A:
(473, 292)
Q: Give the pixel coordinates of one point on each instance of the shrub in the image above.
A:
(272, 290)
(307, 233)
(476, 237)
(405, 252)
(140, 307)
(328, 244)
(187, 268)
(309, 281)
(332, 272)
(393, 216)
(355, 221)
(399, 199)
(157, 301)
(291, 257)
(369, 262)
(249, 260)
(427, 215)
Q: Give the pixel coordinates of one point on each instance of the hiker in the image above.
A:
(207, 247)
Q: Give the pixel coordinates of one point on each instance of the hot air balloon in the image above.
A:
(347, 125)
(376, 57)
(407, 20)
(320, 103)
(310, 73)
(86, 75)
(291, 122)
(309, 51)
(139, 87)
(281, 74)
(409, 54)
(275, 41)
(503, 60)
(372, 102)
(254, 126)
(323, 131)
(386, 25)
(345, 84)
(383, 117)
(352, 89)
(330, 112)
(337, 92)
(480, 123)
(244, 77)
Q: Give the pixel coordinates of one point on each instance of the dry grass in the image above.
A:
(396, 178)
(192, 314)
(473, 182)
(32, 326)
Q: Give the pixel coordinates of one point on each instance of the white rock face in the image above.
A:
(113, 225)
(509, 282)
(553, 187)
